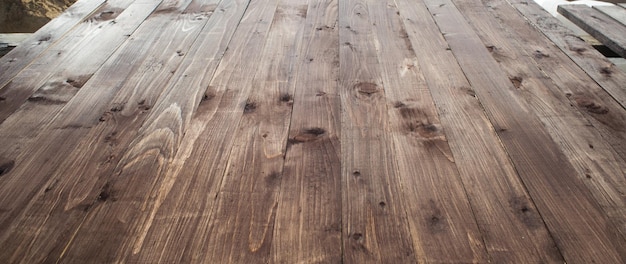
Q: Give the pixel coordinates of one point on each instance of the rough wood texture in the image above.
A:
(312, 131)
(602, 27)
(550, 90)
(29, 49)
(616, 12)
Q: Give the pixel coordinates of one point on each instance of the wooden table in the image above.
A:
(319, 131)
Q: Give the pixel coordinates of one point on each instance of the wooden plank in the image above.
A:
(440, 217)
(598, 67)
(511, 227)
(602, 27)
(37, 160)
(581, 230)
(544, 86)
(616, 12)
(308, 217)
(58, 210)
(32, 47)
(186, 184)
(61, 72)
(371, 233)
(242, 224)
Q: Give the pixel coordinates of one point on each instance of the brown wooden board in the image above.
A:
(41, 156)
(544, 84)
(440, 218)
(602, 27)
(242, 223)
(581, 230)
(73, 189)
(190, 179)
(598, 67)
(36, 95)
(372, 233)
(512, 229)
(32, 47)
(308, 215)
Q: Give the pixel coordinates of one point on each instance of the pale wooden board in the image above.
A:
(308, 217)
(35, 159)
(372, 233)
(242, 223)
(616, 12)
(441, 220)
(31, 48)
(545, 82)
(605, 73)
(561, 197)
(59, 208)
(511, 228)
(602, 27)
(46, 86)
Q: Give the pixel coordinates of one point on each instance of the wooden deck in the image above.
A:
(311, 131)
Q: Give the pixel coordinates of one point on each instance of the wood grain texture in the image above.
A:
(602, 27)
(543, 169)
(41, 156)
(605, 73)
(512, 229)
(545, 87)
(33, 46)
(242, 222)
(372, 233)
(616, 12)
(308, 217)
(443, 231)
(75, 190)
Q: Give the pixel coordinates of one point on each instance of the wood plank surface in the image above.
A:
(41, 156)
(74, 190)
(602, 27)
(616, 12)
(46, 86)
(32, 47)
(440, 218)
(312, 131)
(542, 167)
(372, 233)
(512, 229)
(601, 168)
(598, 67)
(308, 216)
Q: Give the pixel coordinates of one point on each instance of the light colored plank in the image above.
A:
(605, 73)
(616, 12)
(581, 230)
(308, 217)
(73, 189)
(602, 27)
(32, 47)
(46, 86)
(242, 224)
(441, 220)
(545, 84)
(371, 233)
(511, 228)
(38, 158)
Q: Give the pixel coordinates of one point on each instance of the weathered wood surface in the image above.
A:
(616, 12)
(311, 131)
(607, 30)
(599, 68)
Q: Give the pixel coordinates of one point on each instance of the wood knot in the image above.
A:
(590, 105)
(307, 135)
(6, 166)
(366, 88)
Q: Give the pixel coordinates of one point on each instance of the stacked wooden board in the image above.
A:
(311, 131)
